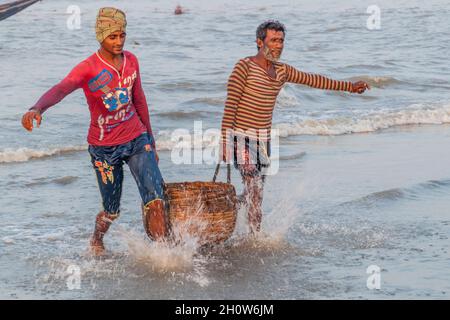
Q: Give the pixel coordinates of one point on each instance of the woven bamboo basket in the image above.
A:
(206, 211)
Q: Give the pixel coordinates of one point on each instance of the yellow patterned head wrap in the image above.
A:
(109, 20)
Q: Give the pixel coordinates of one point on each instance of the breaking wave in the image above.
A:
(367, 123)
(26, 154)
(334, 125)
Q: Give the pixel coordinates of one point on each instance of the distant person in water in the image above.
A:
(252, 90)
(179, 10)
(120, 130)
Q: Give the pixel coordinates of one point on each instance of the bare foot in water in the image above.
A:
(97, 248)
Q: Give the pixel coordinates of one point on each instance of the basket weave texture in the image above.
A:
(206, 211)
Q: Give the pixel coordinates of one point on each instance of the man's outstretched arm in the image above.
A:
(320, 82)
(69, 84)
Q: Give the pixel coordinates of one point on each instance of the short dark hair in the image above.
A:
(261, 31)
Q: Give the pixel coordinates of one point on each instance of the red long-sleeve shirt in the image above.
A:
(116, 100)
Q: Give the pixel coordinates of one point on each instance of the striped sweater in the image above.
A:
(252, 93)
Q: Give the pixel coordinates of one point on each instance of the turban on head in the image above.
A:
(109, 20)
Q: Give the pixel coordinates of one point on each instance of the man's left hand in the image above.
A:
(360, 87)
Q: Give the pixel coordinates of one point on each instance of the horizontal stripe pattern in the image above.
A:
(252, 93)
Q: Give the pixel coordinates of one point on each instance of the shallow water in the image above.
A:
(362, 180)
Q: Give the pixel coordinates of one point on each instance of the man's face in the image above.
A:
(272, 45)
(114, 42)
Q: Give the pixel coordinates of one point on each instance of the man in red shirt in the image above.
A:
(120, 129)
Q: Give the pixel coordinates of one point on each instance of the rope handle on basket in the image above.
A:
(228, 172)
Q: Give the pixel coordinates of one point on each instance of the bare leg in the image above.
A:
(253, 191)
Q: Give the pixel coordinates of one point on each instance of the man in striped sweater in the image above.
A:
(252, 90)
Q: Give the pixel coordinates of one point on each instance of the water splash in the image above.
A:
(158, 256)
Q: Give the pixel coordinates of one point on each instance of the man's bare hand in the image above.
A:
(29, 117)
(360, 87)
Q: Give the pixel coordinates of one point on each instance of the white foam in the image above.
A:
(25, 154)
(369, 121)
(161, 257)
(286, 100)
(332, 125)
(8, 240)
(376, 81)
(366, 123)
(168, 140)
(157, 256)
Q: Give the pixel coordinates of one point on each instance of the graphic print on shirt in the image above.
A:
(100, 80)
(117, 100)
(113, 99)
